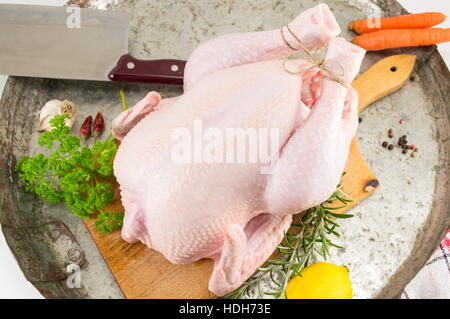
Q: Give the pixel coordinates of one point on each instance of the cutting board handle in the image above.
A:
(130, 69)
(384, 77)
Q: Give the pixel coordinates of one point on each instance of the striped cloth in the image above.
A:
(433, 281)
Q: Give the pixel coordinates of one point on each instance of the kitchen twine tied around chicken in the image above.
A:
(315, 56)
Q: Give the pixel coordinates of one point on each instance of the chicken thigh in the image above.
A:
(233, 212)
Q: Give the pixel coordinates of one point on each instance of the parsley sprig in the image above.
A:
(78, 176)
(107, 221)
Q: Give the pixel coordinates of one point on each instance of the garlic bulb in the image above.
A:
(56, 107)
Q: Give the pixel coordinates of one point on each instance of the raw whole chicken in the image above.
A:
(231, 212)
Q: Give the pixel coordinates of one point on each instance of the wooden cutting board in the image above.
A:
(145, 273)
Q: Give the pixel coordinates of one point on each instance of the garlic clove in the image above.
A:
(56, 107)
(49, 110)
(69, 108)
(44, 124)
(69, 122)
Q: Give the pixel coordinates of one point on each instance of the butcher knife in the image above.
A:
(75, 43)
(88, 44)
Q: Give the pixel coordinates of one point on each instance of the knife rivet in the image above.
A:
(130, 65)
(174, 67)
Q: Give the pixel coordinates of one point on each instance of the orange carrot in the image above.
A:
(407, 21)
(388, 39)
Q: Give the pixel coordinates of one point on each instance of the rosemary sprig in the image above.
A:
(307, 238)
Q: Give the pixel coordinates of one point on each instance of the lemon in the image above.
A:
(321, 281)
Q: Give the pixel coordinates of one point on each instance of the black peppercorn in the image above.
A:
(385, 144)
(390, 147)
(405, 151)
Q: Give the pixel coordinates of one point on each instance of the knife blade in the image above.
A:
(53, 42)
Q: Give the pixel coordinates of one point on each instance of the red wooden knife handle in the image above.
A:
(129, 69)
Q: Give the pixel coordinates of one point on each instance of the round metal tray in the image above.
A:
(46, 238)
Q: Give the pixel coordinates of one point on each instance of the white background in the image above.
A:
(13, 283)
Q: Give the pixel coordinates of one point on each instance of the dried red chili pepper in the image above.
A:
(85, 129)
(99, 125)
